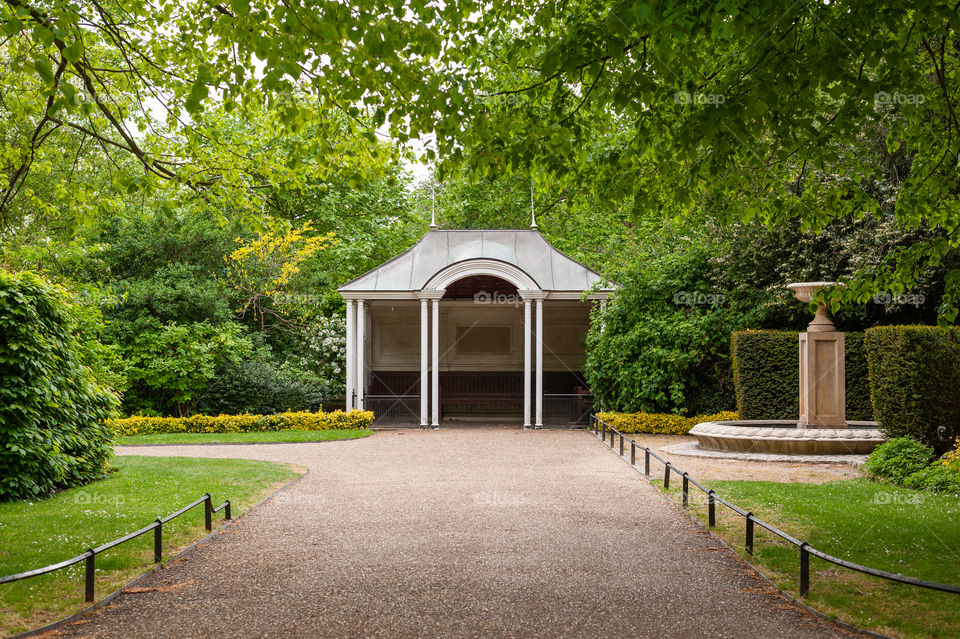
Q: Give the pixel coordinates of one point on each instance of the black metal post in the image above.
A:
(686, 490)
(711, 509)
(646, 462)
(226, 511)
(208, 512)
(749, 544)
(633, 453)
(158, 542)
(621, 444)
(666, 476)
(90, 568)
(804, 570)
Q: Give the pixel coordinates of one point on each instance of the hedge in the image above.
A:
(915, 382)
(335, 420)
(766, 375)
(51, 403)
(660, 423)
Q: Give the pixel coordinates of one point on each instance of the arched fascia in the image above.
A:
(481, 266)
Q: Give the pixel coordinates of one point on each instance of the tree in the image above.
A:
(263, 269)
(178, 360)
(747, 110)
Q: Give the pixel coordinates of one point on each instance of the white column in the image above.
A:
(603, 315)
(435, 385)
(361, 347)
(351, 354)
(527, 332)
(424, 364)
(539, 422)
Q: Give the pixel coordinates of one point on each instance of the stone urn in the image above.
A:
(823, 395)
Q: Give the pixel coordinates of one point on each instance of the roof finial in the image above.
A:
(533, 216)
(433, 206)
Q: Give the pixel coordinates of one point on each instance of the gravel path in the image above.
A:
(454, 533)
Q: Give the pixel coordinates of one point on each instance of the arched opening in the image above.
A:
(480, 287)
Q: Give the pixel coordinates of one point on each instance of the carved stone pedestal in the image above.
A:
(822, 380)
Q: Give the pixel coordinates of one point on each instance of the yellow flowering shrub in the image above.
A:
(952, 457)
(660, 423)
(335, 420)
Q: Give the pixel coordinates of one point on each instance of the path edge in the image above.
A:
(818, 613)
(36, 632)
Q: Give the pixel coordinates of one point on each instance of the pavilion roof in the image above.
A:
(527, 250)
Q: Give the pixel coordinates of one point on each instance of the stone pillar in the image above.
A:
(424, 364)
(822, 380)
(823, 394)
(527, 334)
(539, 422)
(435, 385)
(351, 354)
(361, 351)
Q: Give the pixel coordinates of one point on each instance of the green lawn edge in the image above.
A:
(39, 533)
(879, 525)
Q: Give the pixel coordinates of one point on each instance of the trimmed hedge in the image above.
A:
(766, 375)
(660, 423)
(857, 375)
(335, 420)
(915, 382)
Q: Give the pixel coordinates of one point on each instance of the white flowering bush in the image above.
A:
(324, 351)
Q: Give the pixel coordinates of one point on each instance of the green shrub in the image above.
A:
(660, 423)
(51, 404)
(915, 382)
(766, 375)
(937, 477)
(897, 459)
(335, 420)
(658, 349)
(258, 386)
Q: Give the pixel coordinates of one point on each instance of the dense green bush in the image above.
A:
(260, 387)
(915, 382)
(51, 404)
(767, 377)
(660, 423)
(909, 463)
(661, 346)
(335, 420)
(897, 459)
(937, 477)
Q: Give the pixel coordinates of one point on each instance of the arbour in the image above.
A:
(475, 341)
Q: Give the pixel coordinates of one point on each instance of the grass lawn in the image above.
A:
(910, 532)
(35, 534)
(243, 438)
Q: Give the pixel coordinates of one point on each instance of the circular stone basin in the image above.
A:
(785, 437)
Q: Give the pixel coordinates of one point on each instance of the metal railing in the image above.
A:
(567, 408)
(617, 440)
(394, 409)
(89, 557)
